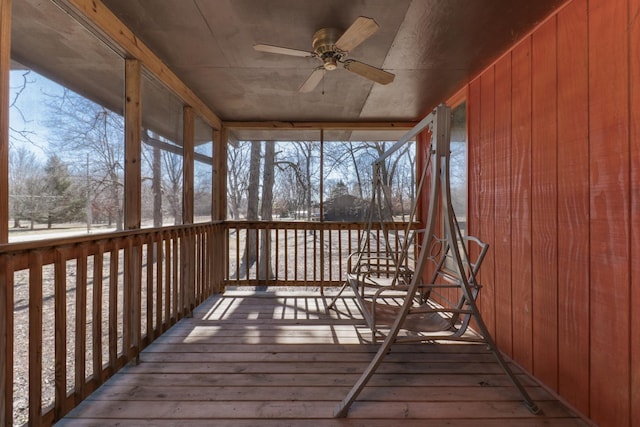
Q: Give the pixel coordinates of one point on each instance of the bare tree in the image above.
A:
(250, 254)
(352, 163)
(237, 177)
(18, 87)
(156, 187)
(301, 160)
(83, 129)
(266, 210)
(25, 186)
(172, 183)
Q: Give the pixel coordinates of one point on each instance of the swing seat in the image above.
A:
(373, 270)
(441, 307)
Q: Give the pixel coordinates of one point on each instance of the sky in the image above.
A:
(29, 111)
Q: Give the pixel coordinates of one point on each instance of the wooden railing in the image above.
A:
(75, 310)
(298, 253)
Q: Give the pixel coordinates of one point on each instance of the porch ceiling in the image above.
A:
(432, 46)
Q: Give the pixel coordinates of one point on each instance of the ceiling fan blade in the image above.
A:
(313, 80)
(361, 29)
(369, 72)
(282, 50)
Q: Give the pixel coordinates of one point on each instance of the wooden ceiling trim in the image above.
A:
(99, 17)
(274, 125)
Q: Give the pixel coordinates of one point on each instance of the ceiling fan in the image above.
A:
(331, 46)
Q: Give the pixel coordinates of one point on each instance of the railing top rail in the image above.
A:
(44, 244)
(311, 225)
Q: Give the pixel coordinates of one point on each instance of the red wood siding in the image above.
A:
(521, 204)
(634, 48)
(502, 240)
(486, 208)
(609, 210)
(573, 206)
(554, 181)
(544, 204)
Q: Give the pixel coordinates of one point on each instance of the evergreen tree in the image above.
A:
(63, 201)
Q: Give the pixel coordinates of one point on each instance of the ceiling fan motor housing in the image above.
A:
(324, 46)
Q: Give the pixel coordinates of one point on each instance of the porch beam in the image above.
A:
(268, 125)
(97, 16)
(198, 157)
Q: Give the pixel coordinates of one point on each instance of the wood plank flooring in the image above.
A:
(279, 359)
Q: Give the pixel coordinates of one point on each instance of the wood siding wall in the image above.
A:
(554, 154)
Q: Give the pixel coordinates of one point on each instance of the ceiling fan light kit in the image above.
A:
(331, 47)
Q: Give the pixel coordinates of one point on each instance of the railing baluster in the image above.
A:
(306, 258)
(98, 259)
(341, 267)
(295, 254)
(315, 255)
(246, 264)
(257, 251)
(200, 268)
(136, 301)
(329, 245)
(158, 254)
(176, 256)
(150, 243)
(35, 338)
(127, 299)
(167, 282)
(113, 305)
(81, 322)
(207, 259)
(276, 249)
(286, 254)
(6, 341)
(237, 253)
(60, 304)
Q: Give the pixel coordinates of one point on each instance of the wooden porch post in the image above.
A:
(188, 135)
(133, 138)
(5, 67)
(132, 202)
(6, 292)
(219, 176)
(188, 243)
(219, 207)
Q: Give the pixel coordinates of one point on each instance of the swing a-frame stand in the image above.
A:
(379, 269)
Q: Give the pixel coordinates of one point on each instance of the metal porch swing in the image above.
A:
(403, 278)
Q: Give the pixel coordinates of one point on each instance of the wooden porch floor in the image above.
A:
(278, 359)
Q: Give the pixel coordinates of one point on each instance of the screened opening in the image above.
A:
(66, 136)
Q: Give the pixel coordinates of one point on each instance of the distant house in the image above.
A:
(345, 207)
